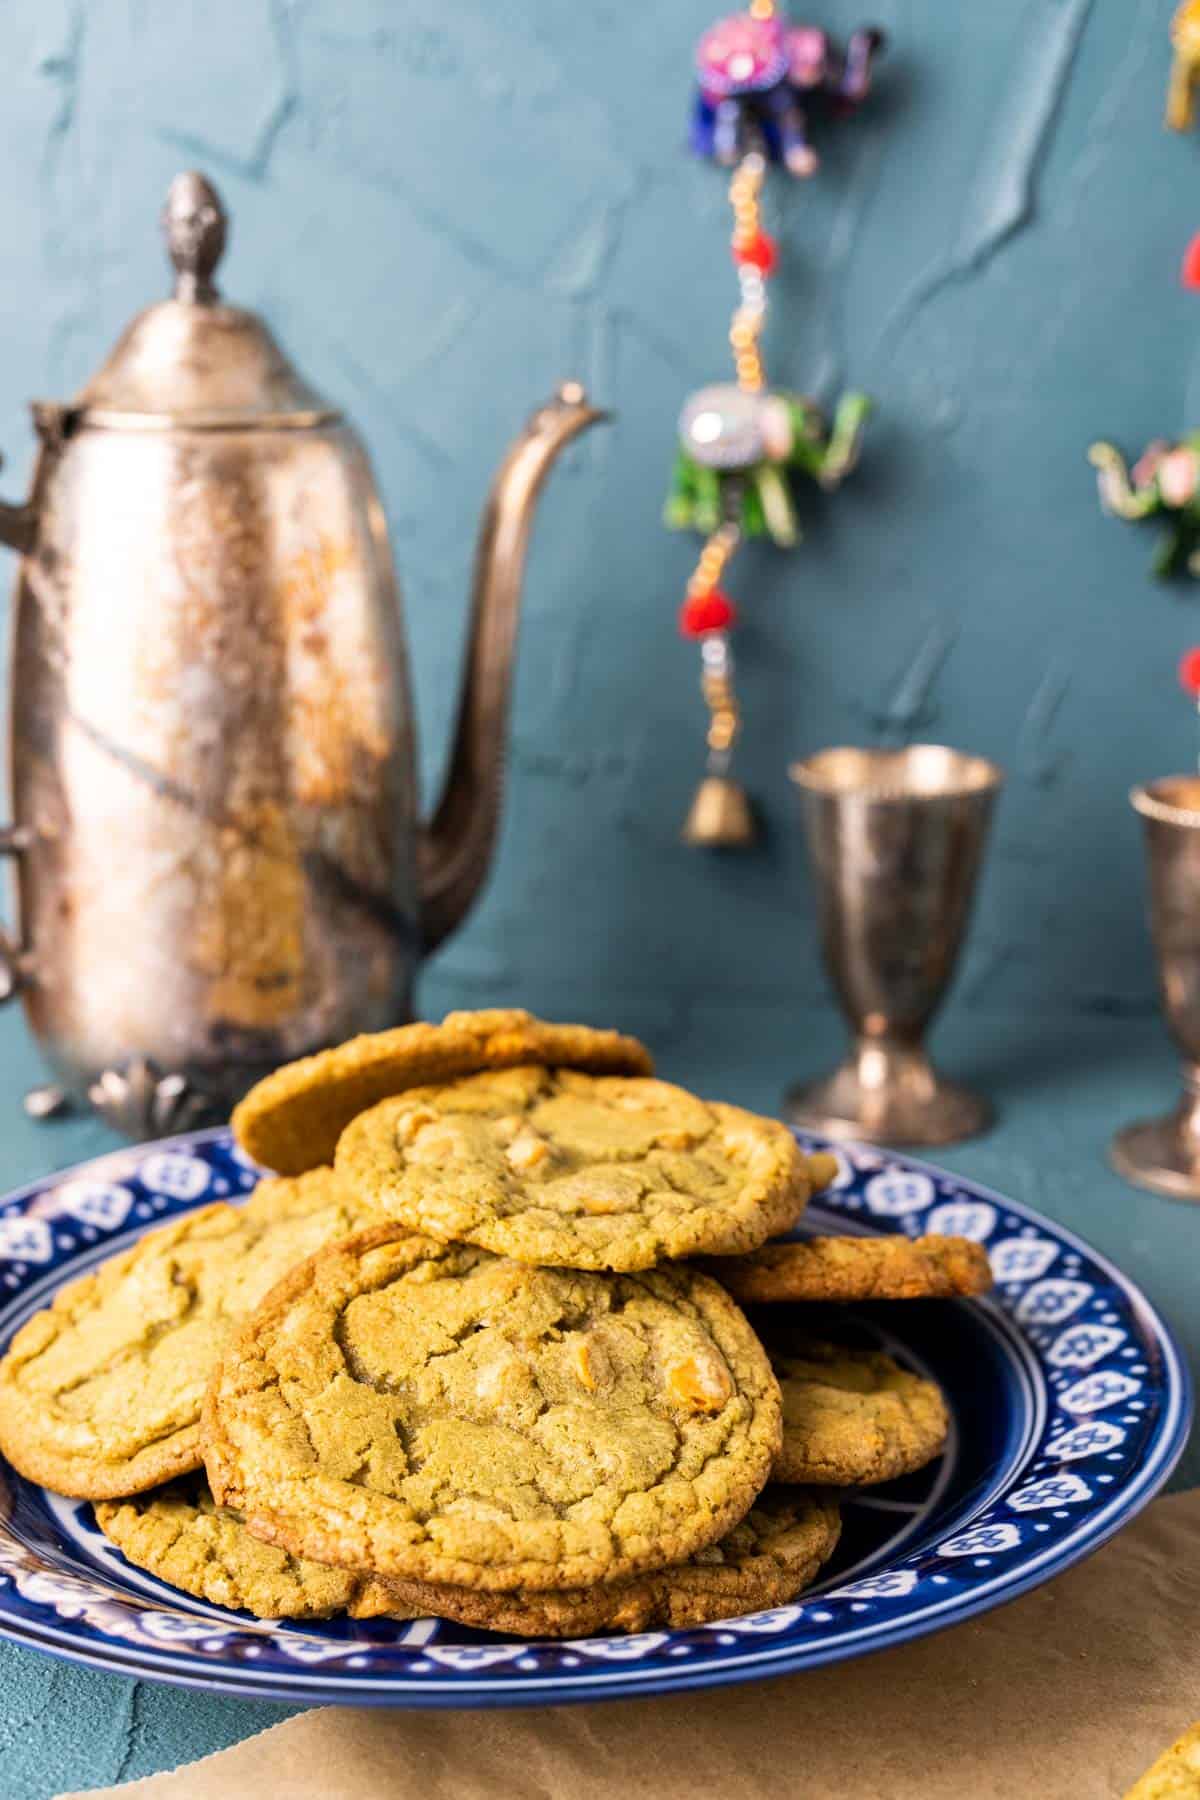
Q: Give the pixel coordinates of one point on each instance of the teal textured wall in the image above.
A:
(444, 209)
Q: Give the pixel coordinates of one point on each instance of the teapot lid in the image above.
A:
(194, 360)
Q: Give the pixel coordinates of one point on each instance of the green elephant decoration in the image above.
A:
(1164, 480)
(737, 450)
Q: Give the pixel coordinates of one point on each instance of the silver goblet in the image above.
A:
(895, 839)
(1164, 1154)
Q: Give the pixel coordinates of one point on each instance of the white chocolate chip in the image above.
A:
(527, 1151)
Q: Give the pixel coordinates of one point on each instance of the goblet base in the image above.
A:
(913, 1105)
(1158, 1155)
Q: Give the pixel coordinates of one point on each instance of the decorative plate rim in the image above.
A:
(751, 1656)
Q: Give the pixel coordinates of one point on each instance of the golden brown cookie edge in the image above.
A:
(892, 1267)
(361, 1597)
(677, 1597)
(292, 1119)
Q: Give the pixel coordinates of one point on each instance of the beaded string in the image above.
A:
(745, 191)
(707, 611)
(741, 443)
(706, 601)
(1189, 680)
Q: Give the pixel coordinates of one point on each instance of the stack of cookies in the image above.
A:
(478, 1350)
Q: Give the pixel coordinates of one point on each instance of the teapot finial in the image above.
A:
(195, 226)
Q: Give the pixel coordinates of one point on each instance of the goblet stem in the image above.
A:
(885, 1069)
(1163, 1155)
(888, 1092)
(1187, 1113)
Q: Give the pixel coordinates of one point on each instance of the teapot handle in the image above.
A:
(14, 957)
(18, 529)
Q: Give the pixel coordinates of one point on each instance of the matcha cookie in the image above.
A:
(764, 1561)
(857, 1268)
(100, 1392)
(854, 1417)
(181, 1535)
(566, 1170)
(435, 1412)
(1176, 1774)
(822, 1170)
(291, 1121)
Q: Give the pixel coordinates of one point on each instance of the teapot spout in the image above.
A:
(457, 843)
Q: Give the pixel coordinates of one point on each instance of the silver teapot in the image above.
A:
(219, 864)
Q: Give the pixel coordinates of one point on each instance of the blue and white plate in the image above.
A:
(1070, 1399)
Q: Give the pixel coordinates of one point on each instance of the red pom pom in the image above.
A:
(760, 253)
(1189, 672)
(702, 613)
(1189, 274)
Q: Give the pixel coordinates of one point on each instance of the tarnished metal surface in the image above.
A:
(213, 767)
(1164, 1154)
(895, 839)
(212, 754)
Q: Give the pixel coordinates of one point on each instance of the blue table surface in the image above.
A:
(1061, 1086)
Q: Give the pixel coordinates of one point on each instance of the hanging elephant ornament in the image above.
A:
(738, 452)
(757, 75)
(1163, 482)
(743, 444)
(1185, 67)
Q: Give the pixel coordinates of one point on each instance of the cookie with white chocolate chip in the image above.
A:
(100, 1391)
(434, 1412)
(568, 1170)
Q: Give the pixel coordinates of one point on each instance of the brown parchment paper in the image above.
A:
(1067, 1694)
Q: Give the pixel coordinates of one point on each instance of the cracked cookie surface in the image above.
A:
(766, 1560)
(568, 1170)
(436, 1412)
(100, 1392)
(181, 1535)
(852, 1418)
(291, 1120)
(856, 1268)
